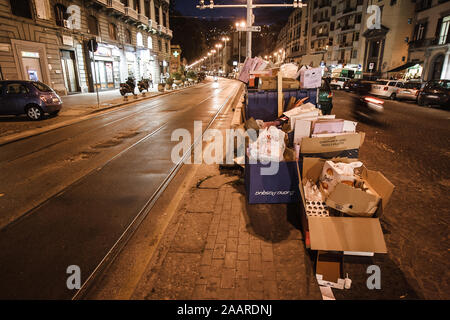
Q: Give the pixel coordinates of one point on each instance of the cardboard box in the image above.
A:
(362, 236)
(311, 78)
(345, 146)
(330, 269)
(271, 83)
(347, 199)
(279, 188)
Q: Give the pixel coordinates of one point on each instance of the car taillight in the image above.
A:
(373, 100)
(386, 88)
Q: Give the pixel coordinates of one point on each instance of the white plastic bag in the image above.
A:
(334, 173)
(269, 146)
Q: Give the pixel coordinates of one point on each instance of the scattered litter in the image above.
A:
(327, 293)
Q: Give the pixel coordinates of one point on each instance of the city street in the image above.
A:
(68, 195)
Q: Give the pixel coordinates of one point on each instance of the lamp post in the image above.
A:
(219, 46)
(210, 60)
(250, 17)
(224, 53)
(239, 27)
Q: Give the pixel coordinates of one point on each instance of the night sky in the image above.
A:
(262, 16)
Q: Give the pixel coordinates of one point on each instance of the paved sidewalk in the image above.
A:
(218, 247)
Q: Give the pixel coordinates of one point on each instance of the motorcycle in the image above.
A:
(144, 84)
(128, 86)
(368, 107)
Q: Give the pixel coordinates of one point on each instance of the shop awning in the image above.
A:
(313, 60)
(405, 66)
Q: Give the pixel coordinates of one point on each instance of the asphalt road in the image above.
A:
(410, 146)
(68, 195)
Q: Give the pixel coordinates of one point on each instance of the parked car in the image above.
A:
(435, 92)
(354, 85)
(32, 98)
(408, 91)
(325, 97)
(338, 83)
(386, 88)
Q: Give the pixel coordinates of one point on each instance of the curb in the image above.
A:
(35, 132)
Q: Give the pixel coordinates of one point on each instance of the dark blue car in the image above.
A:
(32, 98)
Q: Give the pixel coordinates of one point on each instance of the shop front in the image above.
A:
(104, 69)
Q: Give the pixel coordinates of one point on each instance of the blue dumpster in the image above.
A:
(263, 105)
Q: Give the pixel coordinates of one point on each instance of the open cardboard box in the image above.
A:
(311, 146)
(362, 236)
(330, 269)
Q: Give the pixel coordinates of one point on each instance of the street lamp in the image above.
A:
(224, 53)
(239, 27)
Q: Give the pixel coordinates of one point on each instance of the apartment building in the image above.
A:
(429, 48)
(47, 40)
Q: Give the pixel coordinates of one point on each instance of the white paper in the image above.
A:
(327, 293)
(302, 129)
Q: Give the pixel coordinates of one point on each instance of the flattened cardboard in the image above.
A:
(346, 234)
(331, 144)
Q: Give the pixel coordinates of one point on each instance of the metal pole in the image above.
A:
(95, 73)
(239, 46)
(249, 25)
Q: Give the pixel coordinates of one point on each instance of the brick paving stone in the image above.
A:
(233, 231)
(255, 246)
(210, 242)
(268, 270)
(256, 295)
(242, 252)
(254, 262)
(266, 253)
(225, 293)
(206, 258)
(228, 278)
(270, 290)
(232, 244)
(203, 274)
(199, 292)
(216, 267)
(242, 269)
(230, 260)
(222, 236)
(213, 229)
(244, 238)
(241, 291)
(255, 281)
(212, 287)
(219, 251)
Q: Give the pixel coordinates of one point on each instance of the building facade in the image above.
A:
(48, 40)
(429, 48)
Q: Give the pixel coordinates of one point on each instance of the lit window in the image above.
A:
(150, 42)
(443, 35)
(139, 40)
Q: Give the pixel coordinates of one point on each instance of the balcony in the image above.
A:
(116, 6)
(169, 33)
(321, 35)
(143, 19)
(423, 43)
(152, 25)
(131, 14)
(103, 2)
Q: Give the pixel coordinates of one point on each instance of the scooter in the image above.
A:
(144, 84)
(368, 107)
(128, 86)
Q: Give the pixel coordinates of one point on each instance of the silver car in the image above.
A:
(408, 91)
